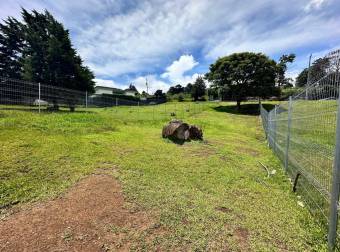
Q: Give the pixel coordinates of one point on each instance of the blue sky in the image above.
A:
(171, 42)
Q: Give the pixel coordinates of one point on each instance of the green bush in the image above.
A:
(286, 92)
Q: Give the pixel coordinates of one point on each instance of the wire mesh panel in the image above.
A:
(24, 93)
(19, 94)
(14, 92)
(302, 133)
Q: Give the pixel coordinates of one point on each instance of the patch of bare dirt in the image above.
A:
(91, 216)
(242, 236)
(223, 209)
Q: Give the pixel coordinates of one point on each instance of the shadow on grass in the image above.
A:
(246, 109)
(181, 142)
(176, 140)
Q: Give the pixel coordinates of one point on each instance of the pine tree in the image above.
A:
(39, 49)
(11, 46)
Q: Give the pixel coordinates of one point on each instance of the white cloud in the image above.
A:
(123, 37)
(281, 39)
(314, 5)
(154, 83)
(175, 72)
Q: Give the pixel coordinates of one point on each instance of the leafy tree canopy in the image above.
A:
(198, 89)
(244, 74)
(188, 88)
(133, 88)
(301, 79)
(282, 68)
(159, 94)
(176, 89)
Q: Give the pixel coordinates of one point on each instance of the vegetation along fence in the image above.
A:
(23, 95)
(304, 132)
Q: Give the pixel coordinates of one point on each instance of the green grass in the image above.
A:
(311, 149)
(202, 193)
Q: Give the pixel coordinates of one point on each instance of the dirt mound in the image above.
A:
(91, 216)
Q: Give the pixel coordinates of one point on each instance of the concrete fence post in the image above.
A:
(288, 132)
(333, 218)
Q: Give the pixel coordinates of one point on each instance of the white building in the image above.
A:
(130, 92)
(99, 90)
(103, 90)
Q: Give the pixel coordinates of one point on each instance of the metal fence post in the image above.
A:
(274, 129)
(165, 109)
(333, 218)
(39, 96)
(269, 128)
(86, 99)
(288, 132)
(182, 111)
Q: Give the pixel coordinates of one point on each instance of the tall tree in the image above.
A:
(11, 47)
(188, 88)
(43, 51)
(198, 89)
(319, 69)
(176, 89)
(282, 68)
(159, 94)
(213, 93)
(244, 74)
(133, 88)
(302, 78)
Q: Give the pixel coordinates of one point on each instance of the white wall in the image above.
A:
(131, 93)
(101, 90)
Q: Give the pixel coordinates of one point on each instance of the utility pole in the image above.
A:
(147, 85)
(308, 76)
(309, 63)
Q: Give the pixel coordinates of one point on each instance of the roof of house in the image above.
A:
(114, 90)
(129, 90)
(97, 86)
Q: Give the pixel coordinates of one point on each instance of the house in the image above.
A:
(103, 90)
(130, 92)
(99, 90)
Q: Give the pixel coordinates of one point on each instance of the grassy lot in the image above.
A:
(209, 195)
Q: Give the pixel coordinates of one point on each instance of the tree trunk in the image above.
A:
(238, 105)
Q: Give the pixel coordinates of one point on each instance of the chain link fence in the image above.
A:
(304, 133)
(24, 95)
